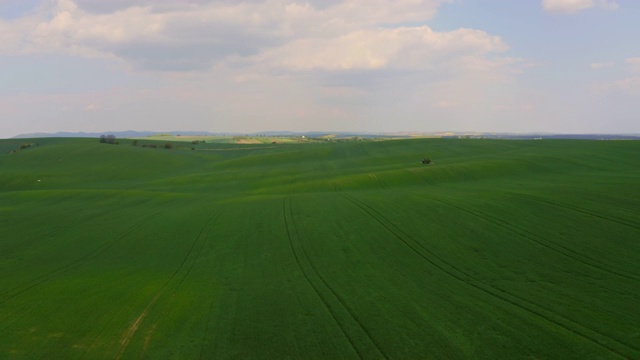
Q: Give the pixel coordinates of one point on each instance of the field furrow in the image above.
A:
(625, 222)
(565, 251)
(332, 301)
(14, 292)
(323, 250)
(615, 346)
(169, 289)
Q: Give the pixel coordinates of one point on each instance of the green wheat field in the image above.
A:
(338, 250)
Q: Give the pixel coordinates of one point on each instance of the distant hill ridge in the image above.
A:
(137, 134)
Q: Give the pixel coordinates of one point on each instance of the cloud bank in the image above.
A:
(574, 6)
(301, 65)
(197, 35)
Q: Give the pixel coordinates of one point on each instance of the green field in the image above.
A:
(500, 249)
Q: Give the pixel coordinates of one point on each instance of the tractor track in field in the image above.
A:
(502, 224)
(206, 329)
(132, 330)
(95, 341)
(503, 295)
(302, 257)
(60, 229)
(388, 225)
(20, 289)
(313, 286)
(572, 254)
(208, 228)
(582, 210)
(170, 302)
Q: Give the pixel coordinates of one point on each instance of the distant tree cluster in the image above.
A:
(154, 146)
(22, 147)
(108, 139)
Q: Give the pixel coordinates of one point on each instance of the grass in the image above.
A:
(501, 249)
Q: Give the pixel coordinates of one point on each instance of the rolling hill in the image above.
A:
(499, 249)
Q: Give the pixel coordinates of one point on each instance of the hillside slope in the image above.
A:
(499, 249)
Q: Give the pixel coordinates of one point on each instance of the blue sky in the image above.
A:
(566, 66)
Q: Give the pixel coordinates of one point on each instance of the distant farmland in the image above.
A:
(339, 250)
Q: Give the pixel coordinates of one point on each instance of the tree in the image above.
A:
(108, 139)
(168, 146)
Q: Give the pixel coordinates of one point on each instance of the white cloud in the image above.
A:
(573, 6)
(413, 48)
(302, 65)
(634, 64)
(626, 85)
(629, 84)
(444, 104)
(13, 35)
(515, 108)
(191, 37)
(603, 65)
(165, 35)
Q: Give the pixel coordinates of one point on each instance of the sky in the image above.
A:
(561, 66)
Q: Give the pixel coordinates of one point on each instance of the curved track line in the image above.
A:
(206, 329)
(572, 254)
(134, 327)
(173, 295)
(54, 273)
(498, 293)
(582, 210)
(300, 257)
(328, 286)
(62, 228)
(313, 286)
